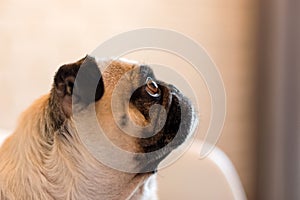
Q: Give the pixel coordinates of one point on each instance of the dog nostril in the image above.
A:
(152, 88)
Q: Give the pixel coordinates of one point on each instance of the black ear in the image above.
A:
(80, 82)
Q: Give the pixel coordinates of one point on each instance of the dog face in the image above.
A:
(137, 112)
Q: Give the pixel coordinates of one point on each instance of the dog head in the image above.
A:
(136, 112)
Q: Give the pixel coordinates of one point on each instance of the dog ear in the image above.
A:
(80, 82)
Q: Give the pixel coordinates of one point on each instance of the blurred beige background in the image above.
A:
(37, 37)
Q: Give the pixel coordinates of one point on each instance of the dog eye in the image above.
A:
(152, 88)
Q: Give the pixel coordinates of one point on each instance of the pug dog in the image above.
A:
(46, 156)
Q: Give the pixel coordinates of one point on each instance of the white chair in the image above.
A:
(211, 178)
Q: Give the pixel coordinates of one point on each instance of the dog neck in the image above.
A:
(40, 162)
